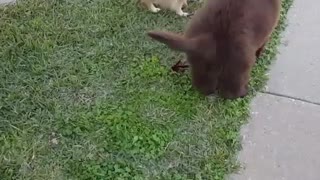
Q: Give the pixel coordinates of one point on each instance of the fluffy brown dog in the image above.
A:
(222, 41)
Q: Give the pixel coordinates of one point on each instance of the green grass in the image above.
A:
(85, 94)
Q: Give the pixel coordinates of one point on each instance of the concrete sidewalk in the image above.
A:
(282, 139)
(4, 2)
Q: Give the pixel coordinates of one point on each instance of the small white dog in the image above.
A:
(173, 5)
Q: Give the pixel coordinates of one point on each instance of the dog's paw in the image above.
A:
(184, 14)
(155, 10)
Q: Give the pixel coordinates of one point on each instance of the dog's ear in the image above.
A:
(172, 40)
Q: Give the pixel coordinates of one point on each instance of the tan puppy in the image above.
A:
(173, 5)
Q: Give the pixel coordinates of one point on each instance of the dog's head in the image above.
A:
(201, 54)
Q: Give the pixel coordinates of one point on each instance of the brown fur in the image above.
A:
(222, 41)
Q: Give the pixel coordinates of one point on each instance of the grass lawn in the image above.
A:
(85, 94)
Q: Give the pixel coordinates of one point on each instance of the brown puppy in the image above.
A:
(222, 41)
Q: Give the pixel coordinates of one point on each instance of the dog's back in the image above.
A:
(238, 29)
(233, 17)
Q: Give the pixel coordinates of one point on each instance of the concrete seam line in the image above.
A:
(291, 97)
